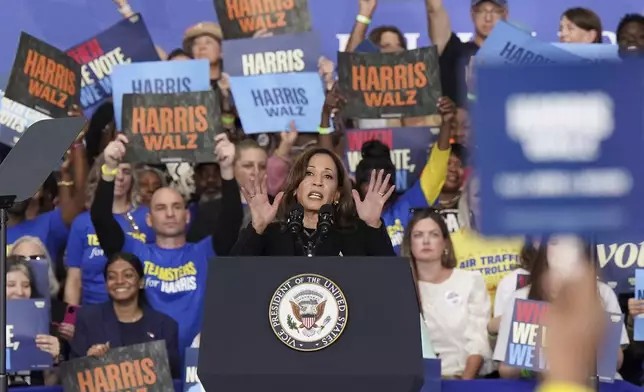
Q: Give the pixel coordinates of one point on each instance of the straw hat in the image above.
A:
(203, 28)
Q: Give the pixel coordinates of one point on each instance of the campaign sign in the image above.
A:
(243, 18)
(15, 118)
(27, 318)
(593, 52)
(166, 128)
(40, 271)
(278, 54)
(409, 151)
(158, 77)
(509, 45)
(44, 78)
(268, 103)
(378, 85)
(522, 281)
(558, 148)
(638, 333)
(618, 257)
(526, 340)
(142, 367)
(608, 350)
(126, 42)
(191, 382)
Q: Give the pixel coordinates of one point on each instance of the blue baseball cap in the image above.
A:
(500, 3)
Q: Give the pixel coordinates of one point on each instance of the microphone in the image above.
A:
(295, 221)
(325, 220)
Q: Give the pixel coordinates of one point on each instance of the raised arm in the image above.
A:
(109, 232)
(440, 28)
(366, 9)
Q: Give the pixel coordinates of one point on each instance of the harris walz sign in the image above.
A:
(44, 78)
(379, 85)
(243, 18)
(140, 368)
(165, 128)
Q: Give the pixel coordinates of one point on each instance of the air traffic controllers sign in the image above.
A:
(556, 148)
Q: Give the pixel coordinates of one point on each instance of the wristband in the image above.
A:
(65, 183)
(525, 373)
(109, 172)
(363, 19)
(126, 9)
(324, 131)
(227, 119)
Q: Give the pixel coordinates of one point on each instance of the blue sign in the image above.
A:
(15, 118)
(608, 351)
(510, 45)
(126, 42)
(191, 382)
(409, 151)
(158, 77)
(40, 269)
(618, 256)
(557, 143)
(432, 370)
(268, 103)
(278, 54)
(638, 333)
(27, 318)
(593, 52)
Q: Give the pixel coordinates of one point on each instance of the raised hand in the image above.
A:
(333, 100)
(367, 7)
(446, 108)
(325, 69)
(115, 151)
(66, 331)
(379, 191)
(261, 210)
(224, 85)
(225, 152)
(635, 307)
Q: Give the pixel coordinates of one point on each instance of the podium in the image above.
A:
(288, 324)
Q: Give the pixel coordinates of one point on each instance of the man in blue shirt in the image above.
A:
(175, 270)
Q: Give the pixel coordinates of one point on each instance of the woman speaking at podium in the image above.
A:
(318, 214)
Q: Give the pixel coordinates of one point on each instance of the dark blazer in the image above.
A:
(363, 240)
(97, 324)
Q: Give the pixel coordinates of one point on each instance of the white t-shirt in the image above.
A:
(609, 300)
(456, 313)
(505, 289)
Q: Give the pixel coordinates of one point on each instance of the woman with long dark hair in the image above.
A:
(317, 178)
(126, 318)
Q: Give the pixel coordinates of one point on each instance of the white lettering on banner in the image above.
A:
(560, 126)
(281, 61)
(622, 255)
(411, 38)
(401, 159)
(17, 116)
(9, 339)
(191, 375)
(561, 183)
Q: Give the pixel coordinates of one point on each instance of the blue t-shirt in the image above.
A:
(84, 251)
(397, 216)
(48, 227)
(175, 282)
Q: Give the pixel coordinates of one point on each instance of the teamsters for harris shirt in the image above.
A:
(85, 252)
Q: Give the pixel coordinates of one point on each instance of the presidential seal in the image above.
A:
(308, 312)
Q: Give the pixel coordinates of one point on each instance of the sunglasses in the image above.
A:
(33, 257)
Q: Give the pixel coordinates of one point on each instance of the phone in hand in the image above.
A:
(70, 314)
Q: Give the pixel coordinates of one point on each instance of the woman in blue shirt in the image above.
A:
(85, 259)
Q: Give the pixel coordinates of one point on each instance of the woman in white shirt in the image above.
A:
(542, 289)
(455, 303)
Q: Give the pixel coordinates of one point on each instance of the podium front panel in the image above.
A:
(243, 347)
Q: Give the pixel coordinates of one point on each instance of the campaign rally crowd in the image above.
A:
(128, 242)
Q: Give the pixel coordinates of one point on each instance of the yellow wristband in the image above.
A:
(109, 172)
(324, 131)
(363, 19)
(228, 119)
(562, 387)
(65, 183)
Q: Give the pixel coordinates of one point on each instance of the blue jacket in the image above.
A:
(97, 324)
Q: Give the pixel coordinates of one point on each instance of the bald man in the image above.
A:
(175, 270)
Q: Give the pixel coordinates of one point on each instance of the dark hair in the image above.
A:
(460, 151)
(627, 19)
(17, 263)
(376, 35)
(135, 262)
(539, 268)
(375, 156)
(344, 211)
(585, 19)
(528, 254)
(448, 260)
(178, 52)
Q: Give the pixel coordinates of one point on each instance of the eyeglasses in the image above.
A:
(419, 210)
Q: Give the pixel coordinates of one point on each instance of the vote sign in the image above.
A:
(559, 148)
(26, 318)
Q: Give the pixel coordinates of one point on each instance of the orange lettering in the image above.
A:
(50, 74)
(181, 119)
(113, 377)
(149, 376)
(138, 121)
(100, 379)
(127, 371)
(152, 120)
(166, 120)
(420, 70)
(85, 381)
(31, 63)
(137, 372)
(202, 121)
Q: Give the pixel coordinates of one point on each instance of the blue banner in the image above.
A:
(15, 118)
(432, 370)
(510, 45)
(277, 54)
(191, 381)
(126, 42)
(609, 349)
(558, 147)
(638, 333)
(268, 103)
(158, 77)
(409, 151)
(40, 269)
(593, 52)
(618, 256)
(27, 318)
